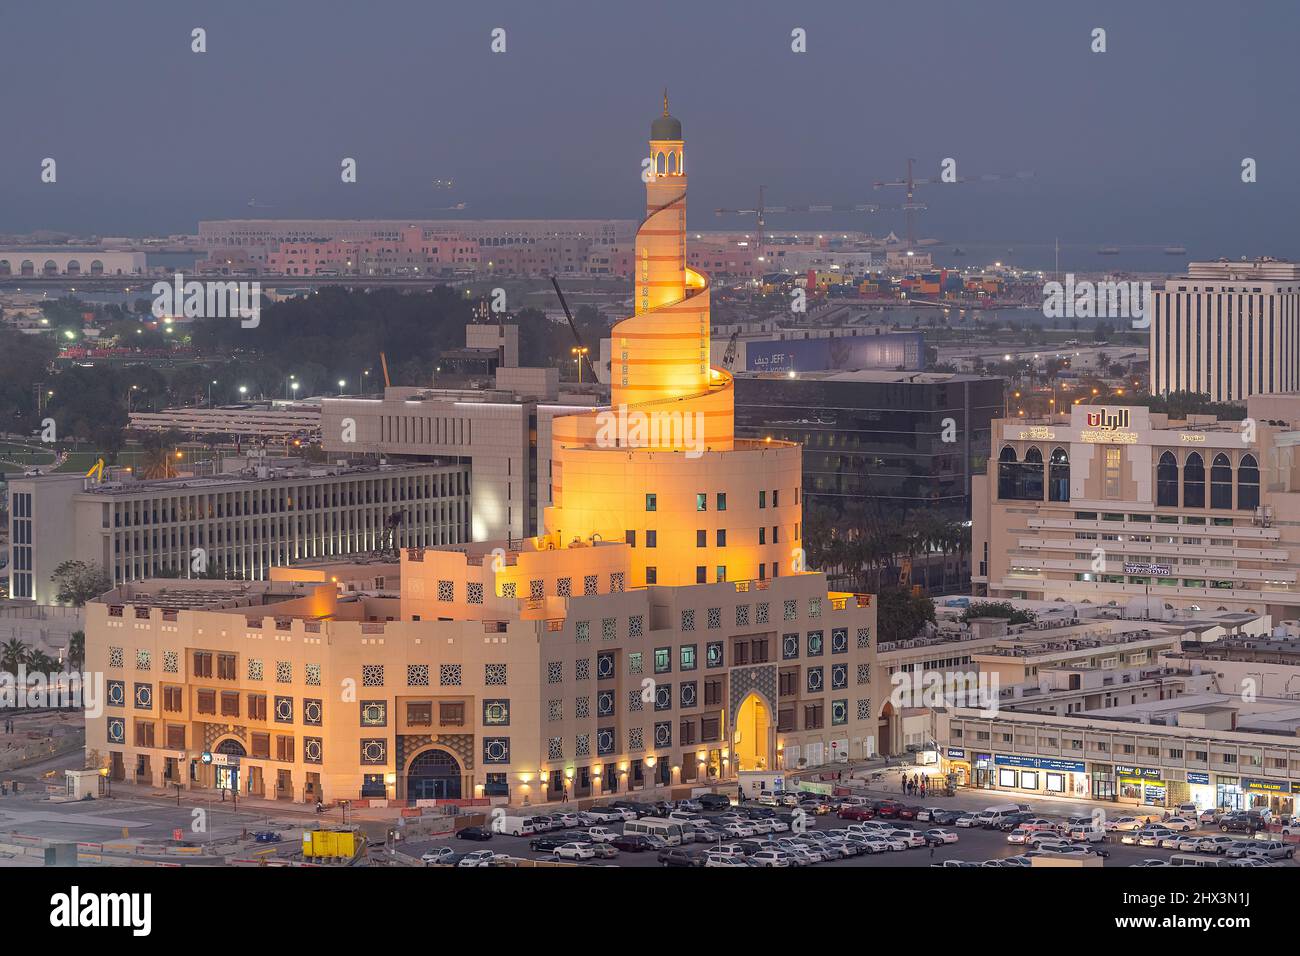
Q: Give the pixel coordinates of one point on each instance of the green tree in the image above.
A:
(13, 654)
(79, 581)
(900, 614)
(1001, 609)
(77, 650)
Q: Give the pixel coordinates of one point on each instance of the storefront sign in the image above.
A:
(1197, 778)
(1142, 773)
(956, 753)
(982, 761)
(1155, 570)
(1040, 763)
(1265, 786)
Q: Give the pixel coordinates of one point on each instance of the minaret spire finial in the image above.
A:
(665, 101)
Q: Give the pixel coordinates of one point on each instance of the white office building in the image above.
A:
(1228, 329)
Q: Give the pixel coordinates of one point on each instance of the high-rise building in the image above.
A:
(660, 631)
(1228, 330)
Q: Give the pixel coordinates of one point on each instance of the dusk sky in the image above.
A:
(1140, 144)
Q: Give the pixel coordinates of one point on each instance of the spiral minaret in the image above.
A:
(660, 467)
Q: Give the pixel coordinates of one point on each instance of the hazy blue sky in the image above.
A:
(1141, 144)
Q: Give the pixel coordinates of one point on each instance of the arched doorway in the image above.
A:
(433, 775)
(227, 774)
(750, 742)
(885, 737)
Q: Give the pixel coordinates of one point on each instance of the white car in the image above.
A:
(967, 820)
(1019, 836)
(940, 835)
(1125, 824)
(893, 842)
(913, 838)
(1152, 836)
(575, 851)
(438, 854)
(569, 820)
(765, 858)
(477, 858)
(1181, 824)
(1038, 823)
(1088, 834)
(762, 825)
(867, 844)
(601, 835)
(1188, 844)
(1214, 844)
(779, 826)
(726, 860)
(738, 831)
(806, 855)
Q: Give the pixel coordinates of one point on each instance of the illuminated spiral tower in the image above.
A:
(661, 467)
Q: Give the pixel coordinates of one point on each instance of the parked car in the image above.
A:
(1148, 863)
(676, 856)
(1270, 850)
(1153, 835)
(1242, 823)
(440, 855)
(714, 860)
(474, 833)
(575, 851)
(638, 843)
(769, 859)
(270, 836)
(856, 813)
(1181, 824)
(738, 831)
(549, 842)
(1214, 844)
(938, 837)
(477, 858)
(604, 851)
(601, 834)
(714, 801)
(1019, 836)
(967, 820)
(1088, 834)
(1125, 824)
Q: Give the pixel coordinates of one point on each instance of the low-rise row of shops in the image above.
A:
(1156, 787)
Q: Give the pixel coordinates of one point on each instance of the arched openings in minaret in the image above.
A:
(668, 162)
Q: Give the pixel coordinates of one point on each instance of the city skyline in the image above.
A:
(1115, 158)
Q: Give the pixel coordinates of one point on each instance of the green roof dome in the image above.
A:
(666, 126)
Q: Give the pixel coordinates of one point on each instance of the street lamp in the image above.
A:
(243, 390)
(579, 353)
(342, 382)
(210, 384)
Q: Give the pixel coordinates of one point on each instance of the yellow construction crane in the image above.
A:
(96, 470)
(383, 360)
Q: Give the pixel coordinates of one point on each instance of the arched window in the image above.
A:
(1020, 481)
(1194, 481)
(1008, 470)
(1031, 476)
(1221, 482)
(1058, 476)
(1167, 481)
(1248, 483)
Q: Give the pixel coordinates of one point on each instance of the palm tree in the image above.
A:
(77, 650)
(13, 654)
(42, 663)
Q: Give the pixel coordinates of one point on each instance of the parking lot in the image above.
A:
(975, 845)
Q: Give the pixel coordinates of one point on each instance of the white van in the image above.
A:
(1187, 859)
(670, 830)
(995, 814)
(515, 826)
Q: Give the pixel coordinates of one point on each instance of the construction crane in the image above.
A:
(762, 209)
(911, 205)
(583, 353)
(383, 361)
